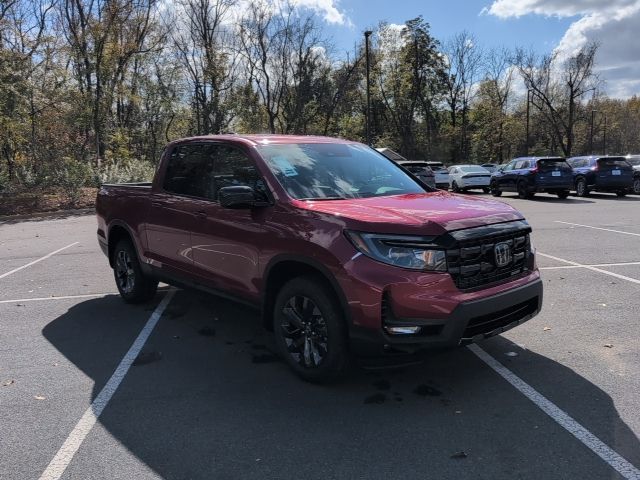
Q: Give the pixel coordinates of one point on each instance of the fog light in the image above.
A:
(402, 330)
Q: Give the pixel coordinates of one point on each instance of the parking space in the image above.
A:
(207, 398)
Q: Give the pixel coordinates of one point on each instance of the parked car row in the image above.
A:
(530, 175)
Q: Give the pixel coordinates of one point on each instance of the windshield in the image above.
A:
(335, 170)
(473, 169)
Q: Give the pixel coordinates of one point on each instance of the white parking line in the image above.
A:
(63, 297)
(599, 228)
(597, 446)
(589, 267)
(563, 267)
(38, 260)
(61, 461)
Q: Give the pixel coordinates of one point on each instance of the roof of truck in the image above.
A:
(263, 139)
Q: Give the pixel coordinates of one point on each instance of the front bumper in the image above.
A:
(468, 322)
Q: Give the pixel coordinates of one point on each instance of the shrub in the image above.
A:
(72, 175)
(125, 171)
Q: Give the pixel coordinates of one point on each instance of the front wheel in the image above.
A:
(495, 191)
(455, 188)
(486, 189)
(621, 194)
(563, 195)
(134, 286)
(310, 330)
(636, 185)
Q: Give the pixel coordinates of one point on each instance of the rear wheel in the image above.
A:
(486, 189)
(495, 191)
(134, 286)
(563, 195)
(454, 187)
(310, 330)
(636, 185)
(581, 188)
(621, 193)
(522, 191)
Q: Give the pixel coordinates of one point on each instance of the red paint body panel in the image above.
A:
(232, 250)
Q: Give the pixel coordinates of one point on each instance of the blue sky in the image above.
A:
(447, 19)
(544, 25)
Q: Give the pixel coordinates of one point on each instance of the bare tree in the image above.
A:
(499, 73)
(557, 87)
(205, 43)
(463, 59)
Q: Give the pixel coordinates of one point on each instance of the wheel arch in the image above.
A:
(118, 231)
(283, 268)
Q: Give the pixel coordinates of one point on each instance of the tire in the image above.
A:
(310, 330)
(581, 187)
(486, 189)
(636, 185)
(563, 195)
(455, 188)
(134, 286)
(621, 194)
(495, 191)
(522, 191)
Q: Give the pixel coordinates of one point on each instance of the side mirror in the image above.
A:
(239, 196)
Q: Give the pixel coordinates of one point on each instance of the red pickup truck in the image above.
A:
(343, 251)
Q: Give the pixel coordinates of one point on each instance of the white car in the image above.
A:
(441, 172)
(466, 177)
(634, 160)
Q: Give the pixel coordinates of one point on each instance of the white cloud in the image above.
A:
(612, 23)
(327, 8)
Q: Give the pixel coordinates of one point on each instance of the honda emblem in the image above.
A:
(502, 252)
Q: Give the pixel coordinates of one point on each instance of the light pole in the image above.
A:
(604, 137)
(367, 34)
(526, 141)
(593, 114)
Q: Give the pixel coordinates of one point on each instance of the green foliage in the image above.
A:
(73, 175)
(125, 172)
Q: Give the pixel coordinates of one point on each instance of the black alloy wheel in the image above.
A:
(310, 329)
(134, 286)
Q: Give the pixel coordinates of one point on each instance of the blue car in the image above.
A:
(530, 175)
(601, 174)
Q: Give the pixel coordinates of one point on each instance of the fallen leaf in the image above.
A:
(511, 354)
(459, 455)
(608, 345)
(546, 328)
(6, 383)
(39, 397)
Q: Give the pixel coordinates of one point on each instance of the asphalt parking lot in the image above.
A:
(205, 398)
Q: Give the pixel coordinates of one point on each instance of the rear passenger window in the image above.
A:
(520, 164)
(184, 171)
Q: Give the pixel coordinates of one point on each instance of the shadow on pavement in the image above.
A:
(209, 399)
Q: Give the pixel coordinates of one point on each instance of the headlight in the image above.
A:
(399, 250)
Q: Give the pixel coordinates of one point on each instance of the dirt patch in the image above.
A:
(39, 201)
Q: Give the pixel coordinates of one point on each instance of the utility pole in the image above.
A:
(526, 141)
(367, 34)
(593, 113)
(604, 138)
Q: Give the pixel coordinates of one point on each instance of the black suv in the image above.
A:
(601, 174)
(530, 175)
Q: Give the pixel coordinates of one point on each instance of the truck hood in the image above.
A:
(425, 213)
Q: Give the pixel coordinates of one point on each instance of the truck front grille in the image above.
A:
(472, 263)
